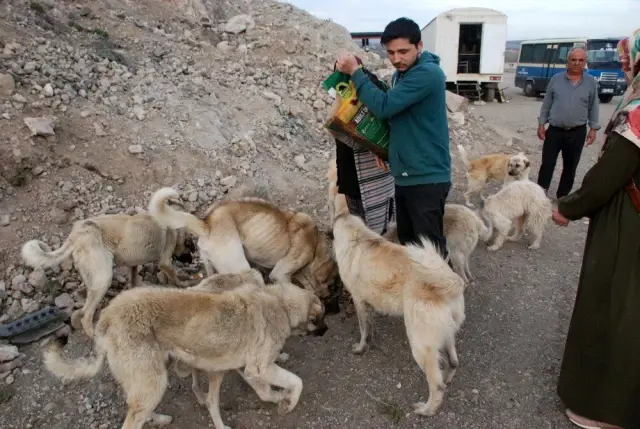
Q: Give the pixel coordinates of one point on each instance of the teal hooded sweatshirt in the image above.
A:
(416, 109)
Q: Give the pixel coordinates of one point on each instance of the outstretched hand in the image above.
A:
(558, 218)
(381, 164)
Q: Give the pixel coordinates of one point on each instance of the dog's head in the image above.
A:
(518, 165)
(322, 272)
(185, 247)
(305, 310)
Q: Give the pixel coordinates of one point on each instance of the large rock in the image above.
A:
(456, 103)
(7, 85)
(239, 23)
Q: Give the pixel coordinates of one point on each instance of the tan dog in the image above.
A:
(234, 233)
(463, 229)
(524, 202)
(409, 281)
(213, 332)
(499, 166)
(96, 243)
(220, 283)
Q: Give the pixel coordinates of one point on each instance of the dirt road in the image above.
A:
(510, 348)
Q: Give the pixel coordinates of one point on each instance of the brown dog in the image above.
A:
(235, 233)
(502, 167)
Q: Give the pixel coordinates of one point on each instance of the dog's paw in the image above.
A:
(76, 320)
(534, 246)
(283, 357)
(358, 349)
(424, 409)
(493, 248)
(160, 419)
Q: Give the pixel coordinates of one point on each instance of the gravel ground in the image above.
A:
(510, 348)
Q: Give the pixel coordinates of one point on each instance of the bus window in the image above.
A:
(539, 52)
(526, 54)
(563, 52)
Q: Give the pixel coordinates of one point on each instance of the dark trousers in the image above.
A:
(420, 213)
(568, 142)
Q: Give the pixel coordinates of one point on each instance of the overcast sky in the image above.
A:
(527, 19)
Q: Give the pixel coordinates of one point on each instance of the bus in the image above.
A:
(540, 59)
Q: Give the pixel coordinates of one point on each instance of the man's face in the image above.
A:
(576, 61)
(402, 53)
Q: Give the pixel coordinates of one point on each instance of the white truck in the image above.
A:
(471, 43)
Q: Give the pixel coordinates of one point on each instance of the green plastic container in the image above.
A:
(364, 130)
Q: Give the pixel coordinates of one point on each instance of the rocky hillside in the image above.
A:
(102, 102)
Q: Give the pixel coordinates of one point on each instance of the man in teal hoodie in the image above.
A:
(415, 107)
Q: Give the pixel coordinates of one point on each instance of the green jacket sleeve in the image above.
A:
(612, 172)
(415, 86)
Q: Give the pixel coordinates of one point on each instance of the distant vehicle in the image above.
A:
(541, 59)
(471, 44)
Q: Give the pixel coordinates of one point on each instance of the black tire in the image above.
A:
(529, 90)
(605, 98)
(489, 94)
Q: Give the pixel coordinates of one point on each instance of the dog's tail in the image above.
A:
(463, 155)
(171, 218)
(434, 271)
(332, 170)
(69, 370)
(341, 208)
(485, 229)
(37, 254)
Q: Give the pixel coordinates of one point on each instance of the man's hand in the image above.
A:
(381, 164)
(541, 132)
(558, 218)
(591, 136)
(347, 63)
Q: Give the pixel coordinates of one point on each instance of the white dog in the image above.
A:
(412, 282)
(522, 201)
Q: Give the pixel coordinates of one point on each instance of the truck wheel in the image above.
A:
(528, 89)
(489, 94)
(605, 98)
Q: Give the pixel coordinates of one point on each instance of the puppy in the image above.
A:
(96, 243)
(409, 281)
(524, 202)
(463, 229)
(212, 332)
(499, 166)
(235, 233)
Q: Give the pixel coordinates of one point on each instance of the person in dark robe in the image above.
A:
(599, 381)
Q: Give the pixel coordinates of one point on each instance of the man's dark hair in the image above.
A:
(401, 28)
